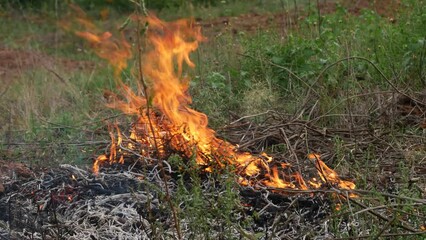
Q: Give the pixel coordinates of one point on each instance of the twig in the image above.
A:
(359, 191)
(56, 75)
(244, 233)
(287, 142)
(387, 206)
(250, 116)
(327, 114)
(57, 225)
(386, 235)
(390, 222)
(403, 224)
(344, 192)
(278, 218)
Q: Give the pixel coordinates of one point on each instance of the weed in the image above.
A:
(207, 203)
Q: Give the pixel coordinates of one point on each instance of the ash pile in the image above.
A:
(125, 202)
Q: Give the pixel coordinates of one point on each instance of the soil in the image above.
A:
(251, 22)
(10, 170)
(15, 62)
(385, 8)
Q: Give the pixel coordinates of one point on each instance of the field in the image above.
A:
(343, 80)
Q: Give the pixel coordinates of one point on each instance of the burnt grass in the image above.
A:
(71, 203)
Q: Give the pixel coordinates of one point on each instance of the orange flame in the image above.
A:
(328, 175)
(166, 121)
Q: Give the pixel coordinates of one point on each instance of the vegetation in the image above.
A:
(339, 70)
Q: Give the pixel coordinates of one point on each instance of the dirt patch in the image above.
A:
(10, 170)
(14, 62)
(412, 109)
(385, 8)
(283, 20)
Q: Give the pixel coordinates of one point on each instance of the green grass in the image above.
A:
(229, 8)
(275, 73)
(53, 117)
(306, 53)
(194, 198)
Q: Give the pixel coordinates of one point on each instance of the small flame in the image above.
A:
(277, 181)
(328, 175)
(167, 122)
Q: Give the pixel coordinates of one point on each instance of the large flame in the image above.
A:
(165, 119)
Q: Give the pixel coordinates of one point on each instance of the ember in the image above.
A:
(165, 121)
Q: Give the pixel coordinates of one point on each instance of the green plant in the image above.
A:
(207, 208)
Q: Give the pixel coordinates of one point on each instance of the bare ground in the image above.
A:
(285, 19)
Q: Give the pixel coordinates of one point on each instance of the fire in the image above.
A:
(328, 175)
(166, 122)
